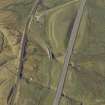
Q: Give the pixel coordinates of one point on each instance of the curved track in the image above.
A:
(52, 20)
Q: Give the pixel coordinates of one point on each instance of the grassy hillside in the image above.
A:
(48, 35)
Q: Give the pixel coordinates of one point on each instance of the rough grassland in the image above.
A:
(50, 31)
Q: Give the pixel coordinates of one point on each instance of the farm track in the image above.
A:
(52, 20)
(13, 92)
(69, 53)
(57, 8)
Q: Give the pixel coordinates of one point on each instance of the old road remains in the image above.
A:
(11, 100)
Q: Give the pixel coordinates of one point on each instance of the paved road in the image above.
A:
(69, 53)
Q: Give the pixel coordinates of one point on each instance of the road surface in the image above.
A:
(69, 53)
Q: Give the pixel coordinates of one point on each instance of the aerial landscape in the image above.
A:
(52, 52)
